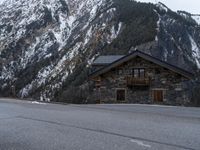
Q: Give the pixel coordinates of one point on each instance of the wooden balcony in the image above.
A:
(131, 81)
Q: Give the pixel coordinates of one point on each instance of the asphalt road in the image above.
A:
(36, 126)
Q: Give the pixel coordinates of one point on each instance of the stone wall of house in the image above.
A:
(160, 78)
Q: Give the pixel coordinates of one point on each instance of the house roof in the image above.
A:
(104, 60)
(146, 57)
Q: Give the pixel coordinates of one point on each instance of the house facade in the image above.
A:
(139, 78)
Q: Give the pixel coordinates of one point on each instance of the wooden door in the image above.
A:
(158, 95)
(121, 95)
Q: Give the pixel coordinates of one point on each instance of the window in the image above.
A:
(142, 73)
(178, 87)
(139, 73)
(136, 73)
(128, 72)
(120, 72)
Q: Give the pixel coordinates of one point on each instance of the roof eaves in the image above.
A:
(147, 57)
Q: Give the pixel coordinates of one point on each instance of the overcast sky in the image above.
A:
(1, 1)
(192, 6)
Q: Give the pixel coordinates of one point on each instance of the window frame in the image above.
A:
(139, 74)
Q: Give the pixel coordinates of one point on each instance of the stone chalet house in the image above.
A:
(138, 78)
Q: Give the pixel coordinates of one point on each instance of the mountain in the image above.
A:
(47, 46)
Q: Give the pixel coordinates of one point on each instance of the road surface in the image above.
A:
(38, 126)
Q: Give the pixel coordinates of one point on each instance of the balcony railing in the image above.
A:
(132, 81)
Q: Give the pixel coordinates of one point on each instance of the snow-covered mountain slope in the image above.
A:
(48, 45)
(41, 41)
(188, 16)
(178, 38)
(196, 18)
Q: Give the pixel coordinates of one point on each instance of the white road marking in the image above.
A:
(140, 143)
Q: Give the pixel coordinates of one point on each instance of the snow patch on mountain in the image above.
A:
(196, 18)
(114, 32)
(195, 51)
(162, 7)
(158, 24)
(53, 34)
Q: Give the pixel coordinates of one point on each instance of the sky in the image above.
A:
(1, 1)
(191, 6)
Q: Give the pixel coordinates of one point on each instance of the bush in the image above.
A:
(75, 95)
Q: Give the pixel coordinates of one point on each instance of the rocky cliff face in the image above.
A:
(48, 45)
(179, 39)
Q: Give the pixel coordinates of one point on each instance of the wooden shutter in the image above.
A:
(158, 95)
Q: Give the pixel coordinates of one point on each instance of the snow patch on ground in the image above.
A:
(39, 103)
(25, 91)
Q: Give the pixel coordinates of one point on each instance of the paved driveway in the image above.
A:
(38, 126)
